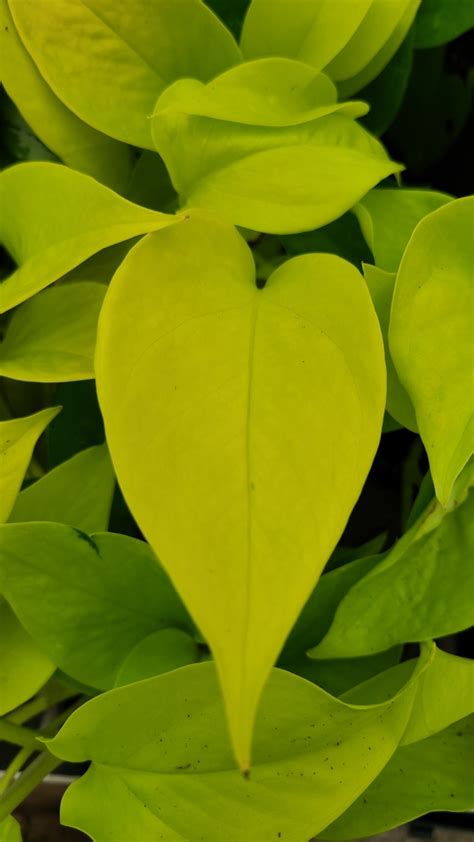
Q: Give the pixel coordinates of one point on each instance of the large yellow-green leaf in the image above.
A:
(352, 45)
(10, 830)
(24, 668)
(51, 337)
(53, 218)
(162, 765)
(265, 92)
(273, 179)
(431, 337)
(77, 144)
(18, 437)
(388, 218)
(432, 775)
(91, 613)
(313, 31)
(109, 61)
(263, 413)
(381, 285)
(78, 492)
(421, 590)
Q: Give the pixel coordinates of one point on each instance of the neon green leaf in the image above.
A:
(82, 45)
(381, 285)
(24, 668)
(388, 218)
(51, 337)
(90, 613)
(162, 651)
(278, 180)
(431, 336)
(10, 830)
(313, 31)
(244, 468)
(432, 775)
(18, 437)
(76, 143)
(169, 770)
(53, 218)
(421, 590)
(78, 493)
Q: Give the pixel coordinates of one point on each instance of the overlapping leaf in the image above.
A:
(108, 62)
(77, 144)
(78, 493)
(266, 414)
(53, 218)
(51, 337)
(431, 334)
(24, 668)
(421, 590)
(93, 611)
(18, 437)
(388, 218)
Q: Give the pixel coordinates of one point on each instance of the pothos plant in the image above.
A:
(228, 666)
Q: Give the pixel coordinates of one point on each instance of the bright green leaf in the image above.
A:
(24, 668)
(439, 21)
(78, 493)
(388, 218)
(244, 468)
(76, 143)
(277, 180)
(161, 651)
(10, 830)
(421, 590)
(313, 31)
(381, 285)
(267, 92)
(81, 46)
(162, 763)
(18, 437)
(90, 613)
(53, 218)
(432, 775)
(431, 337)
(51, 337)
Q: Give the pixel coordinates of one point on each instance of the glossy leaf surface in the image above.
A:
(313, 754)
(18, 437)
(277, 180)
(250, 457)
(53, 218)
(77, 144)
(24, 668)
(90, 613)
(421, 590)
(381, 285)
(431, 331)
(388, 218)
(77, 493)
(82, 45)
(51, 337)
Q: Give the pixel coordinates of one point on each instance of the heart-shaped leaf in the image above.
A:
(431, 330)
(51, 337)
(278, 180)
(162, 765)
(78, 493)
(82, 46)
(76, 143)
(53, 218)
(90, 613)
(18, 437)
(266, 413)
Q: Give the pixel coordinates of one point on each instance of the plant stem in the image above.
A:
(19, 735)
(18, 761)
(40, 704)
(27, 782)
